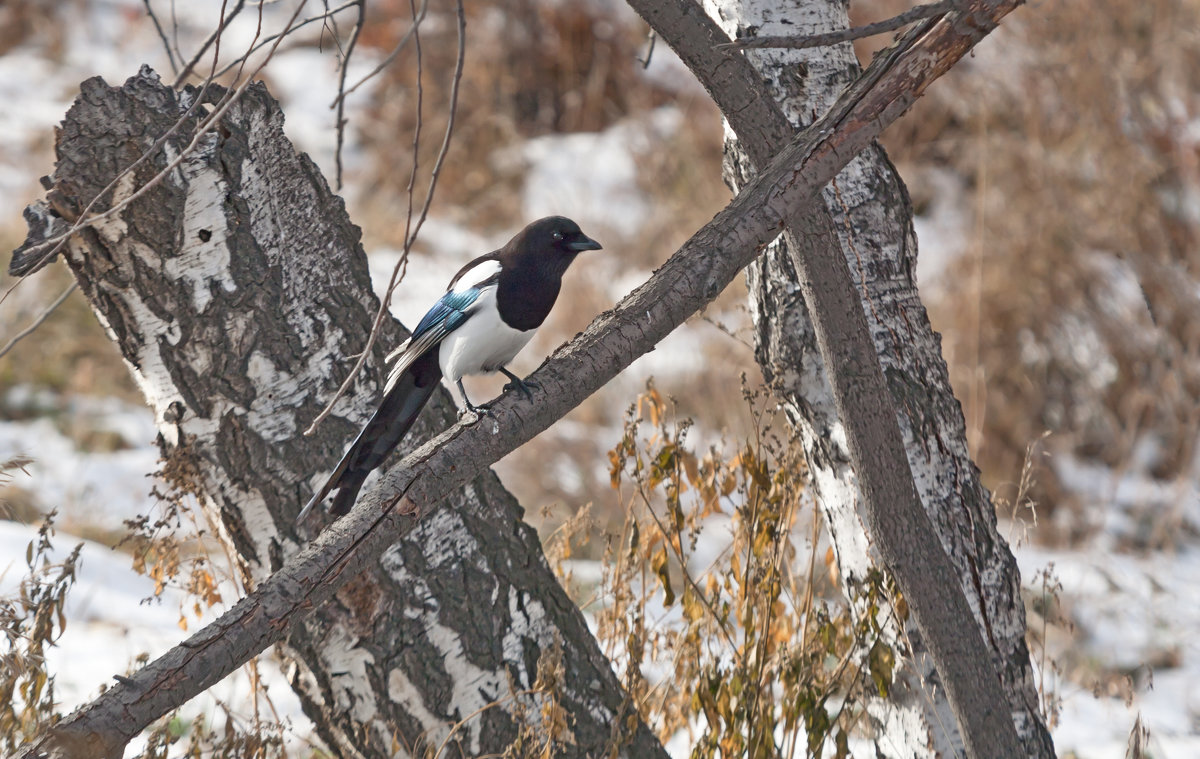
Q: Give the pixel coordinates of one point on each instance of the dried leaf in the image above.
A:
(661, 566)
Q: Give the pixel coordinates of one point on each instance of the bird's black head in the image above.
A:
(556, 235)
(532, 267)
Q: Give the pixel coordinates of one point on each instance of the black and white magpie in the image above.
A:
(490, 311)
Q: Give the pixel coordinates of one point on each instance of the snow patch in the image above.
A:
(98, 488)
(113, 618)
(592, 177)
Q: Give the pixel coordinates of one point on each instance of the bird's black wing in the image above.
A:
(411, 381)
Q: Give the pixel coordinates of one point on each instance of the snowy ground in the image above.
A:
(1135, 615)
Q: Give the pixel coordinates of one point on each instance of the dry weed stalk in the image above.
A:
(714, 606)
(32, 621)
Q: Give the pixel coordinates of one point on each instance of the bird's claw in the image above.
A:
(524, 387)
(478, 412)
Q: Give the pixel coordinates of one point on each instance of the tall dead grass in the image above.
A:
(1073, 308)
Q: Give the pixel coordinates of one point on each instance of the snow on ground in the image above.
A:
(92, 488)
(1132, 614)
(113, 618)
(1143, 509)
(592, 177)
(942, 229)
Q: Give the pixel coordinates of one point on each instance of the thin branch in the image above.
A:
(331, 25)
(271, 38)
(257, 35)
(162, 35)
(39, 320)
(215, 37)
(175, 30)
(387, 61)
(341, 101)
(411, 231)
(843, 35)
(649, 50)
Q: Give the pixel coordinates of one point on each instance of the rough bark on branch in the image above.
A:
(866, 220)
(234, 289)
(413, 489)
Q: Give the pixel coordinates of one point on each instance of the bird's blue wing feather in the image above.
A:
(448, 313)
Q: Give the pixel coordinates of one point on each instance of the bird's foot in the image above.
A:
(472, 413)
(524, 387)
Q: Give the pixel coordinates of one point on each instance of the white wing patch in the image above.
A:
(473, 276)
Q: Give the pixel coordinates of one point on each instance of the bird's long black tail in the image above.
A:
(383, 432)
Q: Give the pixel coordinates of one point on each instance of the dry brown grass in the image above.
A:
(759, 661)
(531, 69)
(1074, 307)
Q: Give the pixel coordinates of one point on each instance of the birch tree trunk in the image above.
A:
(870, 215)
(235, 288)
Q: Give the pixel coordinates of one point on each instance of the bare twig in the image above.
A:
(843, 35)
(38, 321)
(175, 31)
(272, 37)
(162, 35)
(411, 230)
(214, 38)
(341, 101)
(387, 61)
(257, 35)
(653, 37)
(335, 34)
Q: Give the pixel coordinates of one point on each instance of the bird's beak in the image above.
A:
(584, 243)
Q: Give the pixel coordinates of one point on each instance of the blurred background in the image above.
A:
(1055, 177)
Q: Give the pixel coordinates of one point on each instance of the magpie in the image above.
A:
(490, 311)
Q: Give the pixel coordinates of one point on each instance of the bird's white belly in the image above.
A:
(482, 345)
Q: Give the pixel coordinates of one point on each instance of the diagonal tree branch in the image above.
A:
(690, 279)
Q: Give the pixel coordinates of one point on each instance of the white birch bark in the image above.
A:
(236, 289)
(872, 218)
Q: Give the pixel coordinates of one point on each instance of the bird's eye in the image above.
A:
(557, 235)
